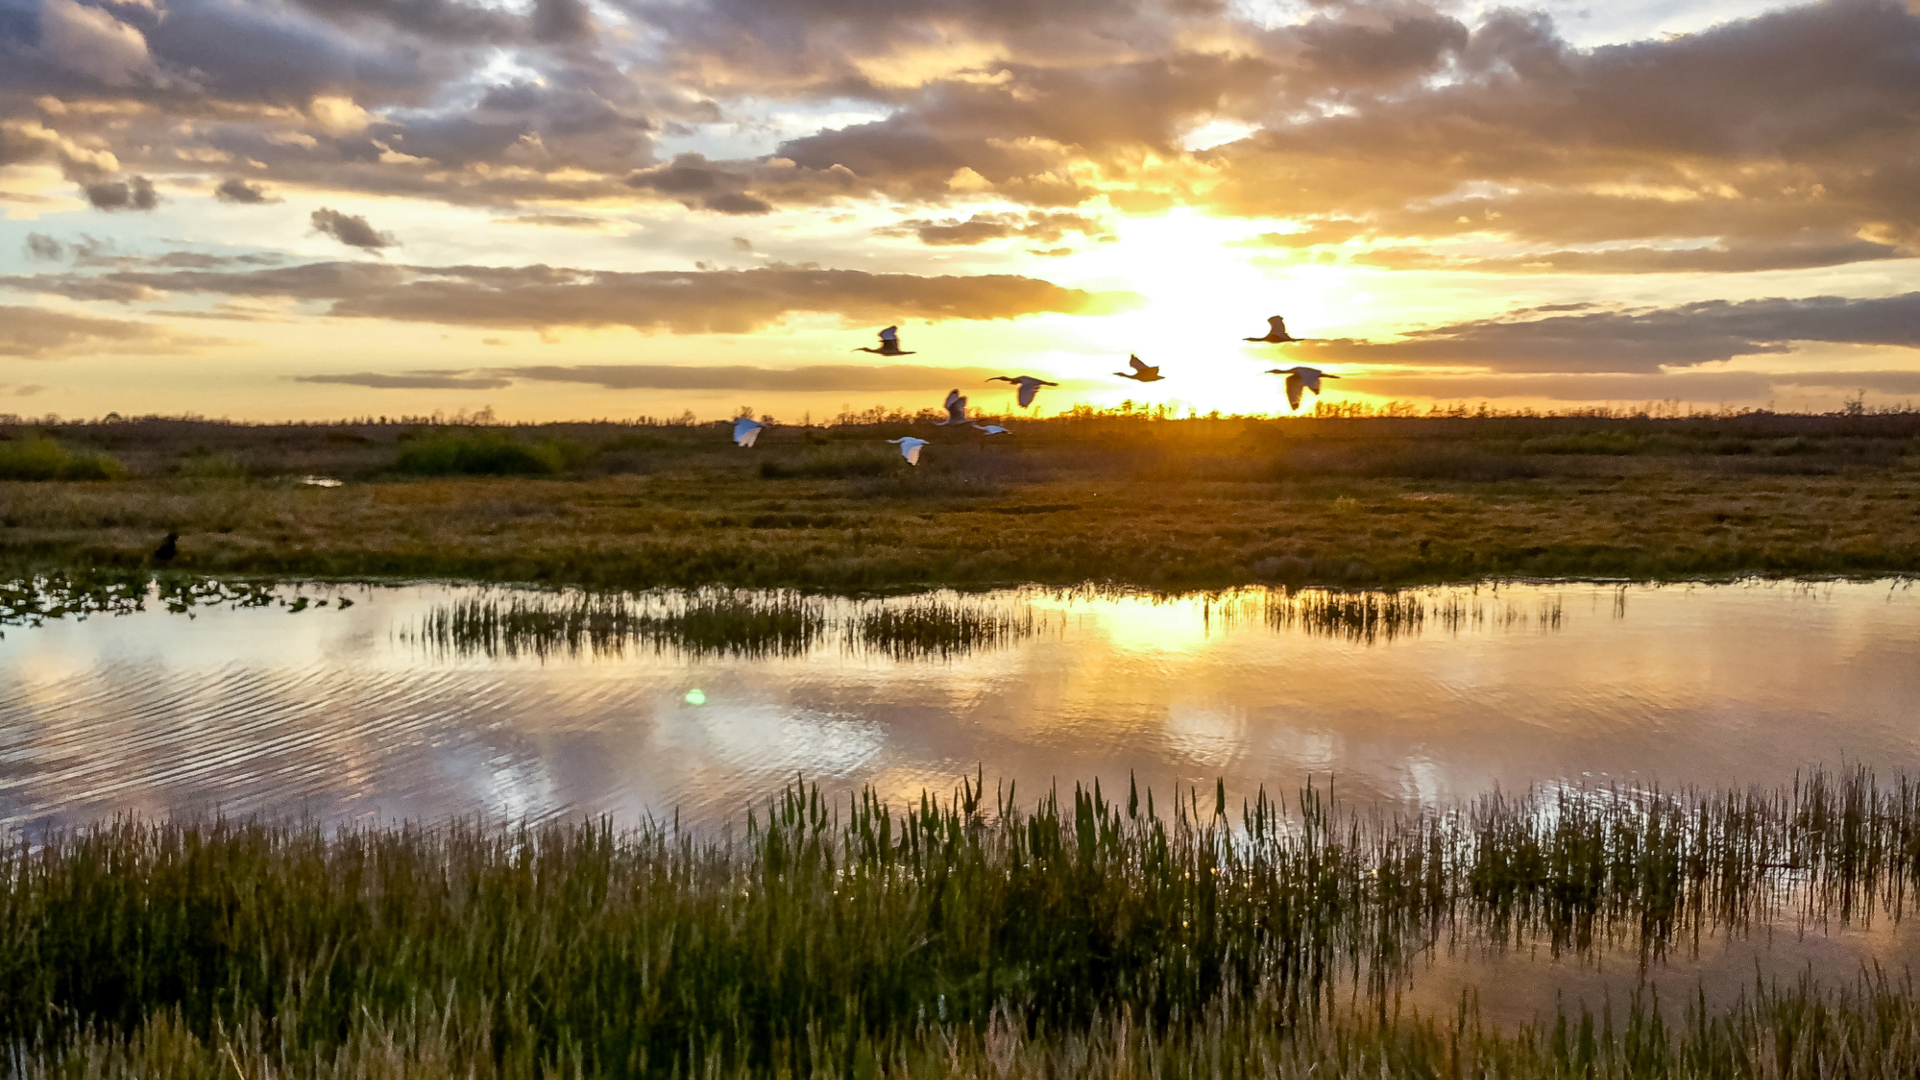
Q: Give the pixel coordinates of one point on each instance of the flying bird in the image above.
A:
(909, 448)
(1029, 386)
(1299, 378)
(745, 430)
(956, 409)
(1276, 332)
(1141, 372)
(993, 429)
(889, 344)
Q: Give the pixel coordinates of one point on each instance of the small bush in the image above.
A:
(223, 464)
(44, 459)
(486, 453)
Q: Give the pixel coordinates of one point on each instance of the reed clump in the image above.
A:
(963, 936)
(41, 458)
(936, 628)
(706, 623)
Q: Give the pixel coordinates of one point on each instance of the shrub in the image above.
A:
(830, 463)
(41, 458)
(486, 453)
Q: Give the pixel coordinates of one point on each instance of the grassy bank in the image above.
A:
(1081, 936)
(1132, 501)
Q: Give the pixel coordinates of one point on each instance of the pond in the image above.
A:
(422, 701)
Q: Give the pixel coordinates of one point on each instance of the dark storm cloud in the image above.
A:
(133, 193)
(818, 378)
(694, 181)
(544, 297)
(412, 380)
(1645, 341)
(35, 333)
(236, 190)
(351, 230)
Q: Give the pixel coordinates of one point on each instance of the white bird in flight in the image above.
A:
(1299, 378)
(746, 430)
(1029, 386)
(956, 409)
(1276, 332)
(993, 429)
(1142, 372)
(889, 344)
(909, 448)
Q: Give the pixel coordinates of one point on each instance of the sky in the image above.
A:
(572, 209)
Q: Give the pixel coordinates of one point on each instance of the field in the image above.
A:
(1080, 935)
(1127, 500)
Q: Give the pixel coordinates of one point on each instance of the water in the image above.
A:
(370, 713)
(351, 714)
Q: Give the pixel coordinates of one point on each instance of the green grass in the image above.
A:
(485, 452)
(40, 458)
(959, 937)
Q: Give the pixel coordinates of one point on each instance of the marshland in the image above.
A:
(1124, 498)
(1507, 746)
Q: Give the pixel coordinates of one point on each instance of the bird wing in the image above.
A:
(1278, 322)
(1310, 377)
(744, 431)
(1138, 365)
(1028, 388)
(891, 333)
(1293, 391)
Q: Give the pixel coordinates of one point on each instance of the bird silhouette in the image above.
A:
(889, 344)
(909, 448)
(993, 429)
(1142, 372)
(168, 548)
(1276, 332)
(956, 409)
(1299, 378)
(1029, 386)
(746, 430)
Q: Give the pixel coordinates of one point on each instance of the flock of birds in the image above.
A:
(1299, 378)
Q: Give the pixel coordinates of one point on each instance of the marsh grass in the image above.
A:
(41, 458)
(938, 627)
(740, 623)
(947, 937)
(78, 594)
(705, 623)
(487, 452)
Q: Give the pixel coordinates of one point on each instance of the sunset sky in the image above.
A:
(311, 209)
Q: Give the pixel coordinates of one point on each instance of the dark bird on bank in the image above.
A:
(1299, 378)
(1142, 372)
(889, 344)
(1029, 386)
(168, 548)
(1276, 332)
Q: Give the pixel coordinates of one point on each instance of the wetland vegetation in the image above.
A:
(979, 935)
(1127, 499)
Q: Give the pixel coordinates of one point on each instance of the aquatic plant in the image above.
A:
(711, 622)
(856, 938)
(934, 627)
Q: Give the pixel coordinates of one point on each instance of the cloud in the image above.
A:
(44, 248)
(543, 297)
(412, 380)
(351, 230)
(236, 190)
(1635, 387)
(982, 228)
(133, 193)
(36, 333)
(1645, 341)
(692, 180)
(817, 378)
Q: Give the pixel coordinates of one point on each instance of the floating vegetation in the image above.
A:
(931, 627)
(967, 936)
(81, 593)
(707, 623)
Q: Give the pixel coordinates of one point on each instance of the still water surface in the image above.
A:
(348, 714)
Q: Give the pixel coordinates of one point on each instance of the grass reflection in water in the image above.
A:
(958, 937)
